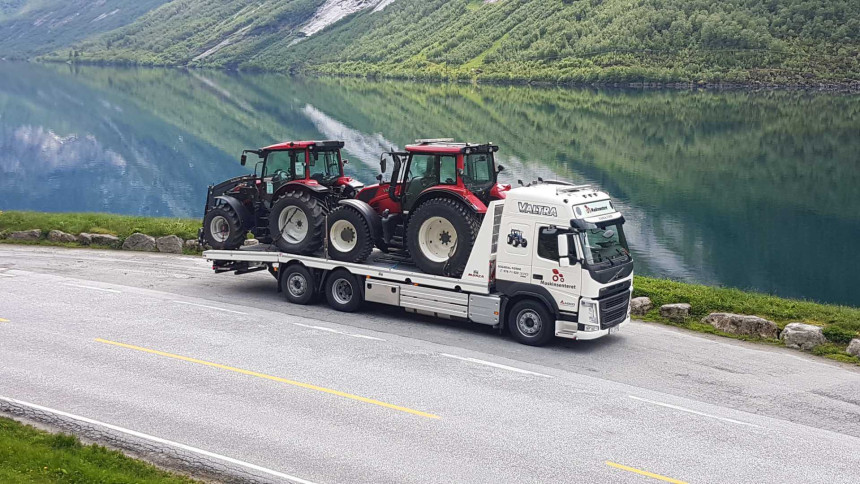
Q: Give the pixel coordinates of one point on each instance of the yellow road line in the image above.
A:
(644, 473)
(4, 320)
(273, 378)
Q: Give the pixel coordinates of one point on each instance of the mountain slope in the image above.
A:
(30, 27)
(507, 40)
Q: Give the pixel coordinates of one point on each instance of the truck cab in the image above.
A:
(565, 245)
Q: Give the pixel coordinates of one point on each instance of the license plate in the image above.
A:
(614, 329)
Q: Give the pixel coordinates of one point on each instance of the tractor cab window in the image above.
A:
(324, 165)
(279, 166)
(479, 171)
(425, 171)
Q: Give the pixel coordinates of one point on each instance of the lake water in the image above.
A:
(756, 190)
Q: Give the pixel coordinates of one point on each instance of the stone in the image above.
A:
(170, 244)
(640, 305)
(249, 242)
(743, 324)
(139, 241)
(85, 238)
(854, 347)
(802, 336)
(675, 312)
(192, 245)
(104, 239)
(28, 235)
(60, 236)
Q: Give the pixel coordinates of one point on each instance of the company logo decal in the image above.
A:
(516, 239)
(557, 276)
(525, 207)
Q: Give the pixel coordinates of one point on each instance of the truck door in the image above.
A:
(563, 283)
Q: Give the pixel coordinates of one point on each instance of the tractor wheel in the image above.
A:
(349, 237)
(297, 222)
(440, 236)
(222, 228)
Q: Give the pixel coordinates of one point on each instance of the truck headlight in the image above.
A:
(589, 312)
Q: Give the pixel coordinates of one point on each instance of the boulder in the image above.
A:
(170, 244)
(802, 336)
(85, 238)
(29, 235)
(192, 245)
(249, 242)
(743, 324)
(104, 239)
(139, 241)
(60, 236)
(854, 347)
(640, 305)
(675, 312)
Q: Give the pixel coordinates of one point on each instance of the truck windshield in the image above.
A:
(479, 172)
(604, 244)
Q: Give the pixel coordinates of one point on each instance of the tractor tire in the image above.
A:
(297, 223)
(349, 237)
(440, 236)
(223, 229)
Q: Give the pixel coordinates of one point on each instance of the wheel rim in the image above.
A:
(529, 322)
(342, 291)
(437, 239)
(343, 236)
(297, 284)
(293, 224)
(219, 228)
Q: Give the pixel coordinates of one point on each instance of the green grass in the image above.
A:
(840, 323)
(99, 223)
(28, 455)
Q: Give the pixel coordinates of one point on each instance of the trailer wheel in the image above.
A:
(342, 291)
(298, 284)
(530, 323)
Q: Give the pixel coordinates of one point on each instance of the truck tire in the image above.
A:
(343, 291)
(297, 222)
(349, 237)
(222, 228)
(531, 323)
(298, 284)
(440, 236)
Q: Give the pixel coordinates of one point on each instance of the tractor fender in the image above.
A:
(314, 189)
(461, 195)
(240, 209)
(374, 221)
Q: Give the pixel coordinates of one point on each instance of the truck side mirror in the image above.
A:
(563, 252)
(243, 159)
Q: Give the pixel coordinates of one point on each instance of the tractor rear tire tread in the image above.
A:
(314, 209)
(457, 264)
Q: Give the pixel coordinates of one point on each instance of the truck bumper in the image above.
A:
(562, 330)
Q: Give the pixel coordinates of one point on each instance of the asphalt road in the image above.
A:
(159, 344)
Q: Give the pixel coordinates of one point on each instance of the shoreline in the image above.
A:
(849, 86)
(840, 324)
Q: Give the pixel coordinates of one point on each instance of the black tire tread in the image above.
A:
(236, 238)
(362, 230)
(316, 218)
(473, 223)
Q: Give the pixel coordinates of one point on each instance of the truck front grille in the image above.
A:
(613, 309)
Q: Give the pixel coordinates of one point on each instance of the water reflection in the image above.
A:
(753, 190)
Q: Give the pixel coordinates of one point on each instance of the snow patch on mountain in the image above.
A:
(333, 10)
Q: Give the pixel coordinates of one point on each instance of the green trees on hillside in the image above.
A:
(509, 40)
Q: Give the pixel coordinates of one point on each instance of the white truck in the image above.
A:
(550, 260)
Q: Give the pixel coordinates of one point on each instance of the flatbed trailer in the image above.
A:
(526, 272)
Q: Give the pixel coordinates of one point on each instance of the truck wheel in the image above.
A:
(298, 284)
(349, 237)
(342, 291)
(297, 222)
(441, 235)
(530, 323)
(222, 228)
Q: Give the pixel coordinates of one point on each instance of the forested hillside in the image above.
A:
(744, 41)
(29, 27)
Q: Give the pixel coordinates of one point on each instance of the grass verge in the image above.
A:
(840, 323)
(99, 223)
(34, 456)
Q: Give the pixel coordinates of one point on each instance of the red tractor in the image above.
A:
(431, 209)
(286, 204)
